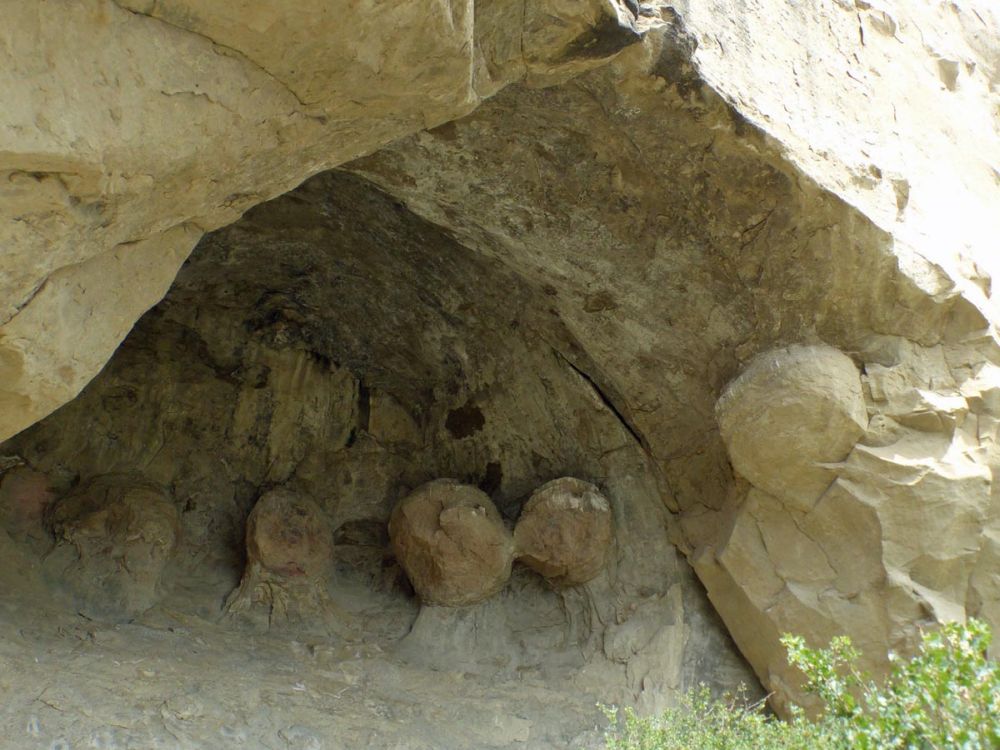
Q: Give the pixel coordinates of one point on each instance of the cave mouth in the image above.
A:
(334, 345)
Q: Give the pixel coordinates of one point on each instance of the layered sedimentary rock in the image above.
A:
(270, 365)
(654, 218)
(900, 535)
(678, 241)
(130, 128)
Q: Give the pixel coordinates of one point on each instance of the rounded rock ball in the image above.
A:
(791, 411)
(115, 535)
(565, 532)
(289, 536)
(451, 542)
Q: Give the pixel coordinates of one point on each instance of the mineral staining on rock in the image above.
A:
(268, 365)
(565, 532)
(114, 536)
(289, 557)
(452, 543)
(25, 497)
(788, 415)
(215, 115)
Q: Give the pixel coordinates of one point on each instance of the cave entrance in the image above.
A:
(336, 347)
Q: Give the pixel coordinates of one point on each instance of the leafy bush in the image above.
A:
(703, 723)
(947, 697)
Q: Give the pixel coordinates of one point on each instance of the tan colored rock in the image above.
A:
(452, 543)
(565, 532)
(704, 197)
(790, 412)
(114, 536)
(918, 159)
(289, 559)
(901, 539)
(132, 127)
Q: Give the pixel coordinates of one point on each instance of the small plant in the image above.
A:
(947, 697)
(701, 722)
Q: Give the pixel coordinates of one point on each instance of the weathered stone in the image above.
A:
(900, 539)
(186, 113)
(790, 412)
(25, 497)
(289, 559)
(644, 230)
(565, 532)
(114, 536)
(452, 543)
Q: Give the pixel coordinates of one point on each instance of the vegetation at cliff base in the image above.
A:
(947, 697)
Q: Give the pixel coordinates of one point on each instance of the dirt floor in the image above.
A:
(172, 681)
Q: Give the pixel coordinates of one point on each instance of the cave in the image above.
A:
(677, 370)
(335, 344)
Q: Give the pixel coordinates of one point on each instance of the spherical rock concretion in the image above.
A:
(788, 413)
(451, 542)
(565, 532)
(289, 536)
(115, 535)
(289, 560)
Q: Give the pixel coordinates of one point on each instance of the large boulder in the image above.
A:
(901, 539)
(790, 414)
(452, 543)
(565, 532)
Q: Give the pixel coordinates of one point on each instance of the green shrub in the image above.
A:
(700, 722)
(947, 697)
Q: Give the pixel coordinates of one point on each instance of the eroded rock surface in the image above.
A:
(565, 532)
(269, 364)
(903, 532)
(605, 247)
(114, 537)
(452, 543)
(186, 113)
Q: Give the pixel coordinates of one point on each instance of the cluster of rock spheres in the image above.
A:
(116, 534)
(453, 544)
(768, 232)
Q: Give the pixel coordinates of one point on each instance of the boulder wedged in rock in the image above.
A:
(790, 412)
(897, 542)
(649, 226)
(565, 532)
(115, 534)
(452, 543)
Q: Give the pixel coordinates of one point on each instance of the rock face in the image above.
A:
(565, 532)
(787, 415)
(187, 114)
(270, 365)
(577, 239)
(452, 543)
(114, 537)
(289, 560)
(899, 534)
